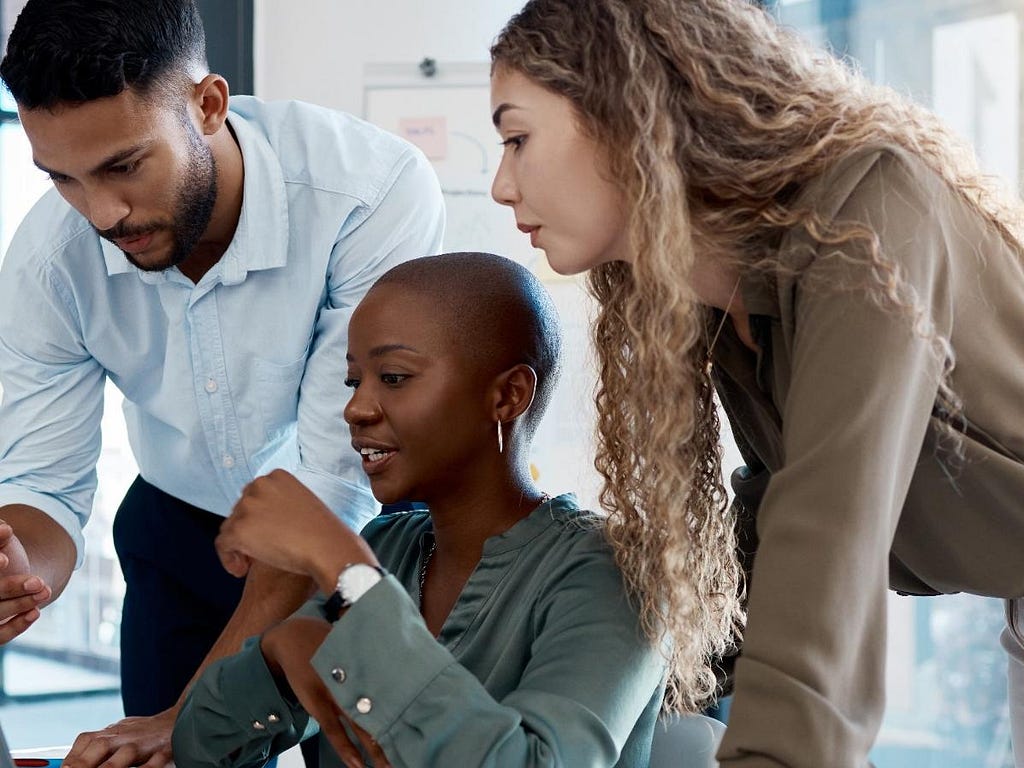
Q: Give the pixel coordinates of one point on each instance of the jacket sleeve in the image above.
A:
(863, 382)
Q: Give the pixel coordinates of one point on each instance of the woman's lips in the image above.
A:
(376, 461)
(531, 230)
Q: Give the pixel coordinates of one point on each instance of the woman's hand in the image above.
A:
(288, 649)
(282, 523)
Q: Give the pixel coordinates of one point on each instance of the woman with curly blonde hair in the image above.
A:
(759, 220)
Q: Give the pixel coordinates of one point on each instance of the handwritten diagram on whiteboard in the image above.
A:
(448, 116)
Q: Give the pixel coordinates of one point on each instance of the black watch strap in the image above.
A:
(354, 581)
(332, 606)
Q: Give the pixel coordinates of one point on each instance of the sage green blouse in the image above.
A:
(540, 663)
(854, 485)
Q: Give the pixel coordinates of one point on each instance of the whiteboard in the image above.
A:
(448, 116)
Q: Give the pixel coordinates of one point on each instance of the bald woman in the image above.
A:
(492, 630)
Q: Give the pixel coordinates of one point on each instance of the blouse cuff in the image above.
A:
(379, 657)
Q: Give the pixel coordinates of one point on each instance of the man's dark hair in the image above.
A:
(72, 51)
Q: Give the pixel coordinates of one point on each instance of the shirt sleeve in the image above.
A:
(589, 678)
(810, 682)
(235, 716)
(52, 398)
(406, 222)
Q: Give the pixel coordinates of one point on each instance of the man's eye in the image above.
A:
(125, 169)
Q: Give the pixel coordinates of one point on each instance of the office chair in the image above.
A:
(686, 742)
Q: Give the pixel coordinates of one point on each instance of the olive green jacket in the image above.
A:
(853, 485)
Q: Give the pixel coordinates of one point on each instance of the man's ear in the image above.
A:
(210, 100)
(513, 392)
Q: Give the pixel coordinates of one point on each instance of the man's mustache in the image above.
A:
(123, 231)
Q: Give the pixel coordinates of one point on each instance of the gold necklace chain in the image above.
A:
(424, 567)
(544, 499)
(718, 331)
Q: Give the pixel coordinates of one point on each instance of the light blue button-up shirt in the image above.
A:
(233, 376)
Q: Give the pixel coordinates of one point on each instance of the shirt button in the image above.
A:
(228, 461)
(363, 705)
(273, 718)
(258, 726)
(211, 385)
(338, 674)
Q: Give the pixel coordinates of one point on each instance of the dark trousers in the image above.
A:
(177, 596)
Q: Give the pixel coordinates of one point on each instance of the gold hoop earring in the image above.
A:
(501, 439)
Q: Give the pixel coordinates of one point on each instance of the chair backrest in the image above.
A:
(686, 742)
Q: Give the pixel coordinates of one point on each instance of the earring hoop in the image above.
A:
(501, 439)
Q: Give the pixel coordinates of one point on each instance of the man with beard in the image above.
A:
(204, 256)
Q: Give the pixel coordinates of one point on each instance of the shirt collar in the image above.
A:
(261, 238)
(563, 509)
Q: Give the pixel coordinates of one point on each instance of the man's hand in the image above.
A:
(280, 522)
(144, 741)
(288, 649)
(269, 597)
(21, 593)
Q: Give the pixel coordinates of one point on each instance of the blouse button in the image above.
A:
(338, 674)
(364, 705)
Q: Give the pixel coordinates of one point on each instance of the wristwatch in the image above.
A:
(354, 581)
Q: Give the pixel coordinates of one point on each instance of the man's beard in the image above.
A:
(196, 196)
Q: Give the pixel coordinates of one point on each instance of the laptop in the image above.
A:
(7, 761)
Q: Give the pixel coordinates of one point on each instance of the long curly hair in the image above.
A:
(710, 117)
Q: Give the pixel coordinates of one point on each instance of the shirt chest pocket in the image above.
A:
(277, 393)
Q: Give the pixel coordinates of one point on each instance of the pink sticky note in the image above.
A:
(430, 134)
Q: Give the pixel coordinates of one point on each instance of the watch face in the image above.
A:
(356, 580)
